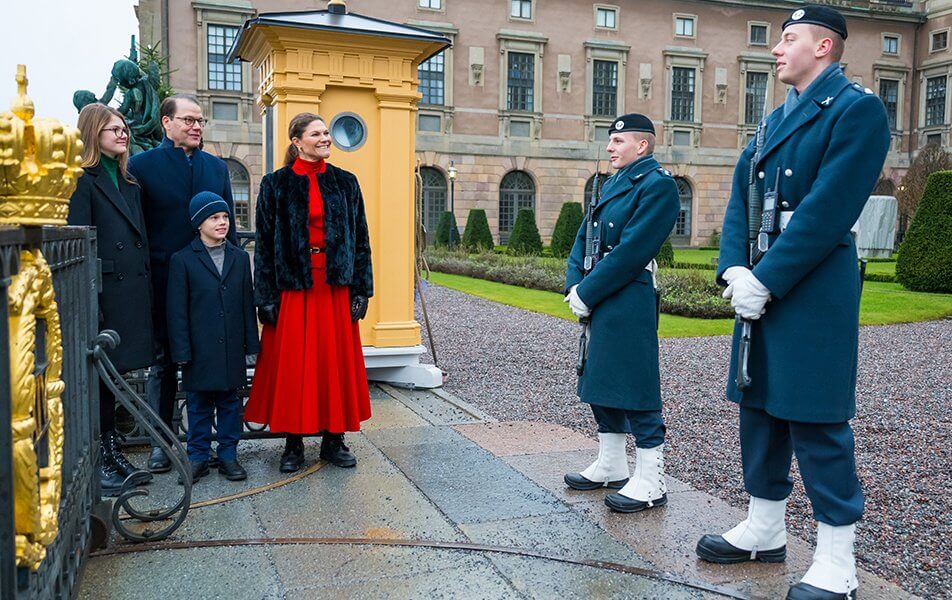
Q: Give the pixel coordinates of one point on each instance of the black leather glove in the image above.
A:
(358, 307)
(268, 314)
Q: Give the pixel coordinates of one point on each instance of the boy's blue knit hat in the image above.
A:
(204, 205)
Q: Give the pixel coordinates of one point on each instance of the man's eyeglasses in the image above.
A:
(119, 132)
(192, 121)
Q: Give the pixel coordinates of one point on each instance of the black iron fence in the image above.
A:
(70, 254)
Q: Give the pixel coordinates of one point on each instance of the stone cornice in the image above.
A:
(862, 9)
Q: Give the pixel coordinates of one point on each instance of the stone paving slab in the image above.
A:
(513, 438)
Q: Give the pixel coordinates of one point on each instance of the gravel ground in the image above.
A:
(519, 365)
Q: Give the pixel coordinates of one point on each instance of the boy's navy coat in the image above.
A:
(169, 179)
(211, 317)
(125, 303)
(282, 255)
(637, 210)
(829, 152)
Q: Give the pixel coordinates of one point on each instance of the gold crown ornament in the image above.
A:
(39, 163)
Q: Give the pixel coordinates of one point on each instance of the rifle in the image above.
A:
(756, 248)
(592, 247)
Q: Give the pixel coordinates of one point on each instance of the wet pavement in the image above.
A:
(444, 503)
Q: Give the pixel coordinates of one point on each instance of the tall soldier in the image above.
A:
(610, 284)
(823, 151)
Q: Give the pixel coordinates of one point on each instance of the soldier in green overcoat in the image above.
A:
(632, 218)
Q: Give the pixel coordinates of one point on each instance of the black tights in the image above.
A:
(107, 408)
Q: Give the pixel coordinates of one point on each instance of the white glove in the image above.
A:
(731, 275)
(748, 296)
(579, 309)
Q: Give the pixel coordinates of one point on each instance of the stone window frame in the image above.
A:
(427, 210)
(898, 38)
(525, 42)
(446, 111)
(246, 203)
(516, 208)
(750, 26)
(529, 19)
(607, 50)
(927, 72)
(932, 36)
(688, 220)
(760, 63)
(691, 58)
(674, 25)
(611, 7)
(429, 9)
(216, 14)
(900, 73)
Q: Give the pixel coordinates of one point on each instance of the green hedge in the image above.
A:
(476, 236)
(566, 228)
(692, 293)
(525, 239)
(925, 257)
(447, 233)
(666, 254)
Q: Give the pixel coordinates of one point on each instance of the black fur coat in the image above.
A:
(282, 256)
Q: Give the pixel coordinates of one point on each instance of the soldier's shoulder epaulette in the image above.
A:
(665, 172)
(862, 90)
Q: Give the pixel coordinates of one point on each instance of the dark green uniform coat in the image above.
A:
(829, 152)
(636, 212)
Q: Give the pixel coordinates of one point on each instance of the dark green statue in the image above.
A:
(140, 99)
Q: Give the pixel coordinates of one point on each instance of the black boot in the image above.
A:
(110, 480)
(112, 443)
(293, 457)
(199, 470)
(231, 469)
(159, 462)
(334, 451)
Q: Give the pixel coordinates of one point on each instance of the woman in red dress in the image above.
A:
(313, 279)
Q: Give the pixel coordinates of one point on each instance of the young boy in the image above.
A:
(212, 327)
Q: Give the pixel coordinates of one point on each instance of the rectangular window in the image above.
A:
(431, 123)
(940, 40)
(684, 26)
(605, 18)
(757, 35)
(222, 76)
(681, 138)
(682, 94)
(756, 94)
(431, 4)
(224, 111)
(935, 101)
(605, 88)
(430, 74)
(889, 93)
(519, 128)
(520, 9)
(521, 81)
(891, 45)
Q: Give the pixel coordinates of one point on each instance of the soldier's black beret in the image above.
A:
(632, 122)
(823, 16)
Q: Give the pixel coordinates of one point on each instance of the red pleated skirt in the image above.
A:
(310, 373)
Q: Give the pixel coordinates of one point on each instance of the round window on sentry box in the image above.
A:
(348, 131)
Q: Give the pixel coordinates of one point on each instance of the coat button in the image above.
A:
(138, 243)
(595, 224)
(223, 288)
(761, 174)
(610, 224)
(221, 340)
(221, 313)
(120, 276)
(788, 172)
(119, 246)
(785, 204)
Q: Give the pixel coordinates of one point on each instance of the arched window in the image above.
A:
(682, 227)
(517, 191)
(587, 197)
(241, 193)
(885, 187)
(434, 199)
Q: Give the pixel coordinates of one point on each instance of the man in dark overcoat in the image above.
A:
(822, 155)
(170, 176)
(620, 380)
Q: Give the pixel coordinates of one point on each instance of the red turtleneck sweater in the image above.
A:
(315, 206)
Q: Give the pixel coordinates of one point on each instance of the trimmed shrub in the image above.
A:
(925, 257)
(525, 239)
(566, 228)
(476, 236)
(447, 233)
(714, 240)
(692, 294)
(665, 256)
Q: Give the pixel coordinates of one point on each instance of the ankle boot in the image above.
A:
(833, 572)
(647, 489)
(293, 457)
(610, 468)
(334, 451)
(112, 444)
(110, 480)
(762, 536)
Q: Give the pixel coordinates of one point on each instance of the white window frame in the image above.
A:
(750, 28)
(898, 38)
(215, 15)
(531, 16)
(440, 7)
(932, 36)
(606, 7)
(683, 16)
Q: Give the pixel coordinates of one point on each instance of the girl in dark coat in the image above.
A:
(313, 280)
(107, 198)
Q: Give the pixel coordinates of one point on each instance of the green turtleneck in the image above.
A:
(111, 166)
